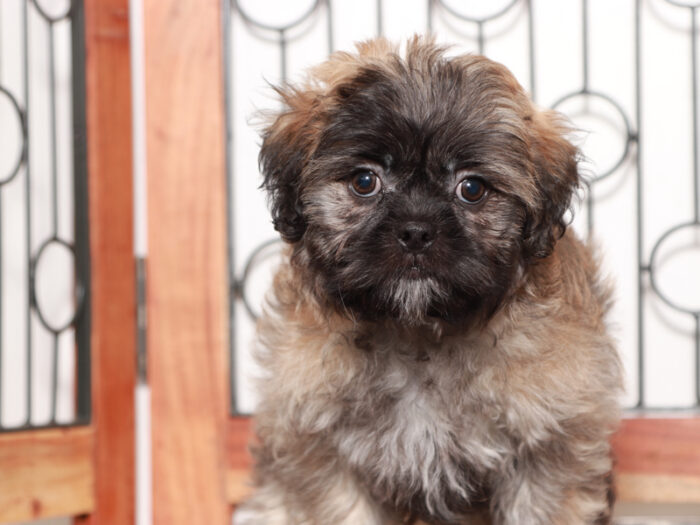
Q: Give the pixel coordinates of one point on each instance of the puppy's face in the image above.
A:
(418, 187)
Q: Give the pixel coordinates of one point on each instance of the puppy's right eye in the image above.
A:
(471, 190)
(365, 183)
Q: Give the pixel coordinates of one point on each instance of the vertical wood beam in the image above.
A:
(186, 265)
(108, 100)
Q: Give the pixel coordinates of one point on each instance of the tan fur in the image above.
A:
(356, 413)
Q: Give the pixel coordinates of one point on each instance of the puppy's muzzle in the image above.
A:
(416, 236)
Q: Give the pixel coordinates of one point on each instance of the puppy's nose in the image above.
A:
(416, 236)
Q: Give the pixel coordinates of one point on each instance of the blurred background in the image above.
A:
(624, 72)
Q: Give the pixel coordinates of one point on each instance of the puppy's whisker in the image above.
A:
(350, 315)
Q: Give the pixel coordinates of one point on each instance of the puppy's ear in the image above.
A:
(556, 178)
(287, 146)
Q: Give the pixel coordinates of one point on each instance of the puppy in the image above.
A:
(434, 344)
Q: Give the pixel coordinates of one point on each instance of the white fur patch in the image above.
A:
(412, 296)
(416, 447)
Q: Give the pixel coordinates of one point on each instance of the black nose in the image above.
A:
(416, 236)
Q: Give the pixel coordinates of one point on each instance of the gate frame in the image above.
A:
(88, 471)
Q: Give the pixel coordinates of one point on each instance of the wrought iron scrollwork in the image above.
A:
(596, 101)
(22, 171)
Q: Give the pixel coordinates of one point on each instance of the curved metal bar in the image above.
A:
(652, 268)
(631, 136)
(678, 4)
(269, 27)
(280, 35)
(476, 20)
(23, 130)
(79, 287)
(240, 285)
(52, 19)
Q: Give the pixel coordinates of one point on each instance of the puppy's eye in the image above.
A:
(471, 190)
(365, 183)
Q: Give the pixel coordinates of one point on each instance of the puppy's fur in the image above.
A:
(467, 380)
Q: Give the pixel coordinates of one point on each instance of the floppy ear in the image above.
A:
(556, 178)
(287, 146)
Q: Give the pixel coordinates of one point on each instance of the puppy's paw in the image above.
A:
(256, 516)
(264, 508)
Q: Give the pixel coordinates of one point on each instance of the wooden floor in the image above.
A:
(658, 521)
(624, 520)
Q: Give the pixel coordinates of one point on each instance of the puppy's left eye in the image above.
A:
(365, 183)
(471, 190)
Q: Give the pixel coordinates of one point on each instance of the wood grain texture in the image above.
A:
(657, 488)
(113, 336)
(46, 473)
(238, 459)
(187, 303)
(658, 459)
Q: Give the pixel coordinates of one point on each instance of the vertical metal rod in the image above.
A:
(589, 210)
(584, 60)
(28, 210)
(480, 37)
(640, 207)
(1, 296)
(380, 18)
(54, 379)
(54, 146)
(283, 56)
(80, 219)
(0, 42)
(531, 44)
(694, 68)
(230, 224)
(696, 179)
(141, 321)
(429, 17)
(329, 20)
(54, 203)
(584, 31)
(697, 359)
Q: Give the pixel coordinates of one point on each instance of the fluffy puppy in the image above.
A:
(434, 345)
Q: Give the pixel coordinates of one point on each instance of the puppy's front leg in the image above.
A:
(537, 491)
(341, 503)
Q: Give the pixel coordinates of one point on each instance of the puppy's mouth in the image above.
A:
(415, 268)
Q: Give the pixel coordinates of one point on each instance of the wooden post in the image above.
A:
(186, 264)
(113, 337)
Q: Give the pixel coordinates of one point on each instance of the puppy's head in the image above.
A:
(418, 186)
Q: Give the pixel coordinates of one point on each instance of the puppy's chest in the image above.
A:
(410, 427)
